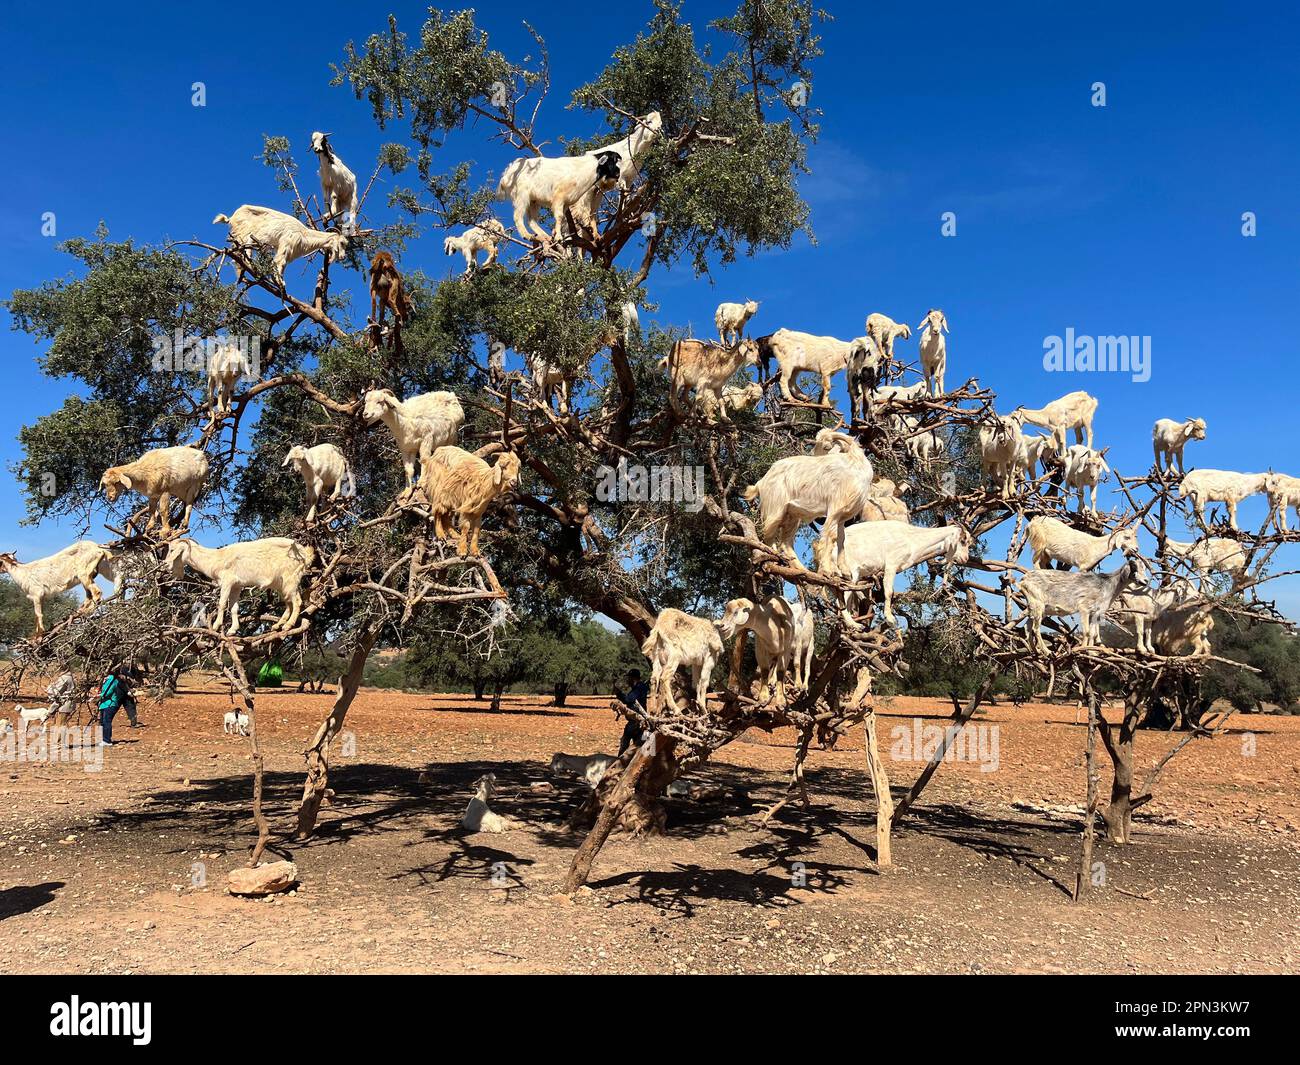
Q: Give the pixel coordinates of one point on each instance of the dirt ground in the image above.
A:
(123, 870)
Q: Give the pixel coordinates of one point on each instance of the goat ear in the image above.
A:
(124, 480)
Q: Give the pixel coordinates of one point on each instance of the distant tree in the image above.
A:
(16, 617)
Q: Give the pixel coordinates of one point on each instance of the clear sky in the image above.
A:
(1116, 220)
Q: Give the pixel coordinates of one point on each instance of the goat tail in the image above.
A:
(349, 483)
(750, 493)
(221, 220)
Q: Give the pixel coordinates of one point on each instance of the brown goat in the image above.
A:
(388, 292)
(458, 483)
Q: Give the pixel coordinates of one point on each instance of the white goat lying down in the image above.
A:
(535, 182)
(78, 564)
(1168, 438)
(419, 424)
(886, 501)
(772, 622)
(338, 184)
(324, 469)
(731, 319)
(235, 723)
(281, 234)
(834, 483)
(1220, 486)
(1055, 593)
(274, 562)
(680, 640)
(1051, 540)
(161, 475)
(1212, 555)
(885, 549)
(1072, 411)
(478, 816)
(1283, 492)
(486, 236)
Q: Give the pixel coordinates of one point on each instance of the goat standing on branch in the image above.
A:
(281, 234)
(161, 475)
(337, 183)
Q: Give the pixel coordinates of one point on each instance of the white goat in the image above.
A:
(1220, 486)
(1084, 470)
(584, 766)
(235, 723)
(1072, 411)
(1168, 438)
(486, 236)
(281, 234)
(549, 380)
(833, 482)
(1283, 491)
(534, 182)
(924, 446)
(630, 151)
(1054, 593)
(772, 623)
(44, 577)
(885, 549)
(883, 331)
(273, 563)
(462, 486)
(886, 501)
(33, 715)
(934, 350)
(1165, 621)
(705, 368)
(161, 475)
(731, 319)
(799, 665)
(630, 319)
(338, 184)
(1035, 454)
(1212, 555)
(798, 353)
(1002, 452)
(478, 816)
(1051, 540)
(227, 366)
(323, 469)
(419, 424)
(678, 639)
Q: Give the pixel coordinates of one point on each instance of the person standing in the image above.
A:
(63, 696)
(637, 694)
(110, 701)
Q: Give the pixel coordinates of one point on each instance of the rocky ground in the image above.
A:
(124, 870)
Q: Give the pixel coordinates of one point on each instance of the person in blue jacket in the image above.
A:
(110, 702)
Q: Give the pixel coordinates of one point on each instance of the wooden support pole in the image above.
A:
(879, 784)
(1083, 878)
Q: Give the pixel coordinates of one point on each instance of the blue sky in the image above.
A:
(1121, 220)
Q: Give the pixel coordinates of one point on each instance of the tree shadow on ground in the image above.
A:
(25, 898)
